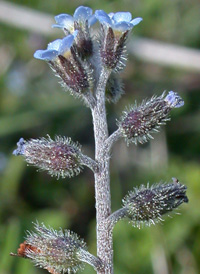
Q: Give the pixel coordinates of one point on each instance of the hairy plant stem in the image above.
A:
(102, 177)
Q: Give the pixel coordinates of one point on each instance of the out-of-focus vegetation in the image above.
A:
(32, 104)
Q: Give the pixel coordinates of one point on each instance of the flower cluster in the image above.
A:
(60, 158)
(74, 58)
(139, 122)
(146, 205)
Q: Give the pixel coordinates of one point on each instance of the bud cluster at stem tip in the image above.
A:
(66, 56)
(139, 122)
(61, 158)
(146, 205)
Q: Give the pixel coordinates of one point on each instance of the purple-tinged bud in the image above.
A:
(73, 75)
(72, 72)
(56, 251)
(84, 42)
(61, 158)
(139, 122)
(113, 49)
(146, 205)
(115, 28)
(114, 88)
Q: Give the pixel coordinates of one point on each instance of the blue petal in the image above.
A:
(66, 44)
(75, 33)
(122, 16)
(136, 21)
(64, 20)
(92, 20)
(54, 45)
(46, 55)
(103, 17)
(174, 100)
(123, 26)
(111, 14)
(20, 147)
(82, 13)
(57, 26)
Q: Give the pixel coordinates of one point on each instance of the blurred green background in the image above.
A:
(32, 104)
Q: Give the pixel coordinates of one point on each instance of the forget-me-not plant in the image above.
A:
(88, 64)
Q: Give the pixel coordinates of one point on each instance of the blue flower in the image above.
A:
(120, 21)
(55, 48)
(20, 147)
(174, 100)
(81, 15)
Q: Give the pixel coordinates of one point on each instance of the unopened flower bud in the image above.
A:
(60, 158)
(55, 251)
(83, 41)
(72, 73)
(138, 123)
(146, 205)
(114, 88)
(113, 50)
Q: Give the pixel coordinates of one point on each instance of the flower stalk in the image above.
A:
(102, 178)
